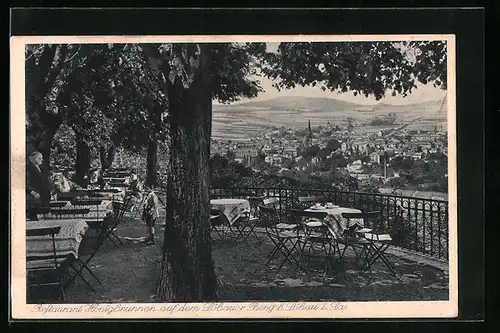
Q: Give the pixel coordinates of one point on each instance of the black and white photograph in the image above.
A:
(262, 176)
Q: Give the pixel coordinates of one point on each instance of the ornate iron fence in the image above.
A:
(416, 224)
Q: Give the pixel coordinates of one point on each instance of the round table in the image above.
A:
(231, 208)
(336, 221)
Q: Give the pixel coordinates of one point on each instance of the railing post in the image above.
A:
(424, 249)
(439, 230)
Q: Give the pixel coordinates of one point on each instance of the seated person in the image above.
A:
(61, 184)
(69, 174)
(94, 178)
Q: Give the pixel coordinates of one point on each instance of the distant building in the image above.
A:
(375, 157)
(343, 146)
(416, 156)
(355, 167)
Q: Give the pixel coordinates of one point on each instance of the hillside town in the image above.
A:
(383, 156)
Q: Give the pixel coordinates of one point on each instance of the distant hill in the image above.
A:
(241, 120)
(318, 104)
(295, 102)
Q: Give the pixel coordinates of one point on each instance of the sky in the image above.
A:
(423, 93)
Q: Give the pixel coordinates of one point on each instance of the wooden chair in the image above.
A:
(220, 225)
(317, 233)
(119, 209)
(254, 203)
(245, 225)
(58, 204)
(88, 249)
(373, 244)
(270, 201)
(369, 205)
(44, 270)
(285, 240)
(380, 241)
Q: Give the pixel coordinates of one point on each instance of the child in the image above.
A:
(134, 192)
(150, 214)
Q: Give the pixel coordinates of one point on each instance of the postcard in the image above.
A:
(249, 176)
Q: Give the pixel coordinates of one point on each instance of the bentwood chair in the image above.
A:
(88, 249)
(380, 240)
(218, 223)
(44, 270)
(317, 238)
(254, 203)
(119, 209)
(285, 241)
(245, 225)
(371, 243)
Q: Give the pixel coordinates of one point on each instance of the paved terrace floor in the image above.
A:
(129, 274)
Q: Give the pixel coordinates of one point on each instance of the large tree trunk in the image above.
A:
(82, 165)
(103, 157)
(152, 167)
(111, 154)
(187, 269)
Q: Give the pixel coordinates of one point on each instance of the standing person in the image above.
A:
(37, 184)
(150, 214)
(134, 192)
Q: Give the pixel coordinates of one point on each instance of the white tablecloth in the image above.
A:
(335, 219)
(96, 212)
(231, 207)
(67, 241)
(106, 204)
(125, 180)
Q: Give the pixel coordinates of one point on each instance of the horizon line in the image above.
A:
(375, 103)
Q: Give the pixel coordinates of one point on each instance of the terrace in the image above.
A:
(419, 254)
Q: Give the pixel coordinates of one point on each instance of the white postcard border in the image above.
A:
(21, 310)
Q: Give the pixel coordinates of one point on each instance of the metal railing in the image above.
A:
(415, 224)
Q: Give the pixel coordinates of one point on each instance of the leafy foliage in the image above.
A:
(368, 68)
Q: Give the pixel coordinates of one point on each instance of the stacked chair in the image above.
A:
(47, 270)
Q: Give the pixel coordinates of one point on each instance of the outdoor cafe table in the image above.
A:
(335, 220)
(231, 208)
(119, 180)
(106, 204)
(95, 214)
(67, 241)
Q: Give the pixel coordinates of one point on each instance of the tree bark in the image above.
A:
(46, 147)
(152, 168)
(107, 156)
(82, 164)
(103, 157)
(111, 154)
(187, 269)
